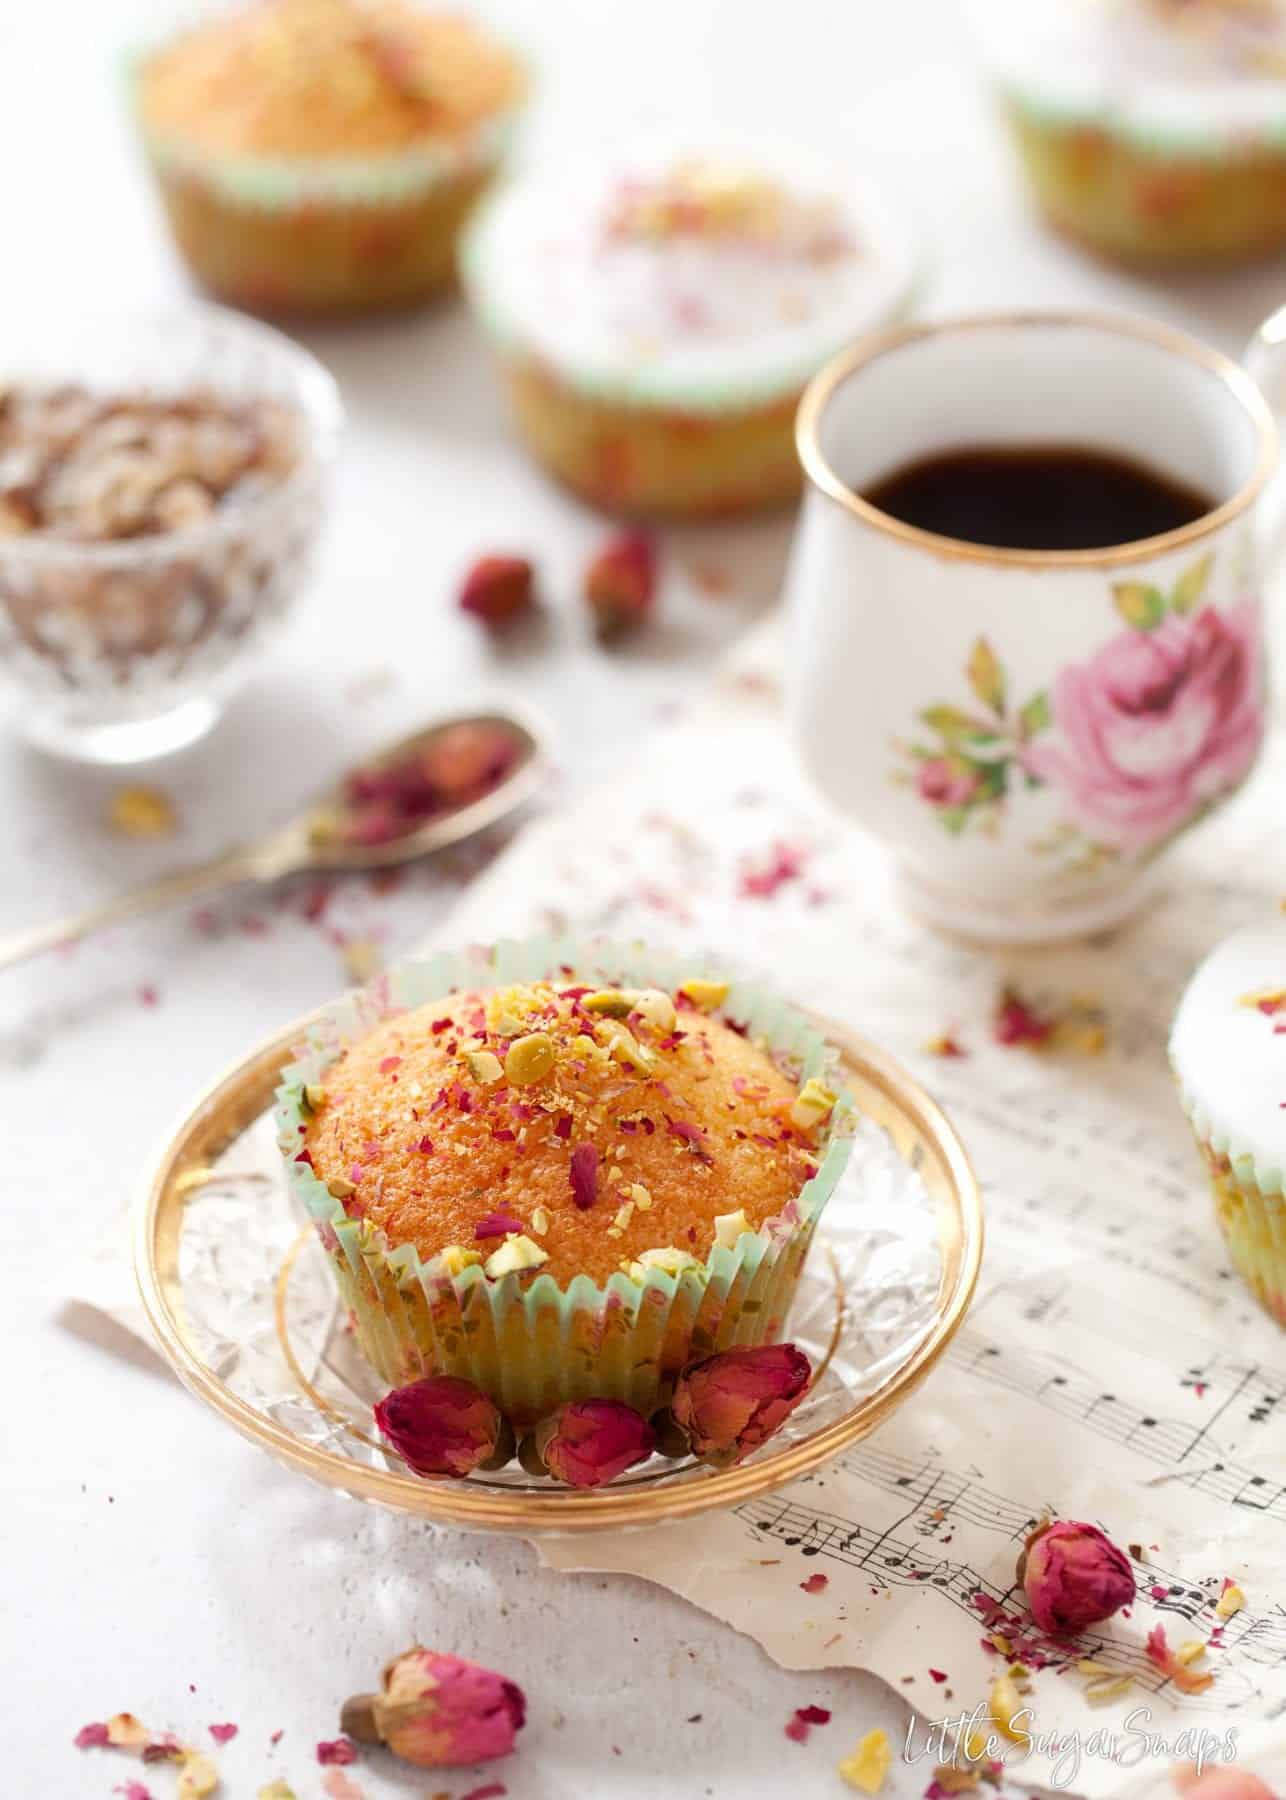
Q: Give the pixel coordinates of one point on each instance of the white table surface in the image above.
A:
(151, 1560)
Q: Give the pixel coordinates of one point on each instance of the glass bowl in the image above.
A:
(244, 1307)
(118, 650)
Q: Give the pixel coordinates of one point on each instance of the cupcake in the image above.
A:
(562, 1175)
(1150, 130)
(1228, 1048)
(658, 315)
(323, 155)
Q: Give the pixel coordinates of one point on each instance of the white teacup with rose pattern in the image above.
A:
(1028, 730)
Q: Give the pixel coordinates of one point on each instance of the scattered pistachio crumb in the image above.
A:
(340, 1187)
(529, 1058)
(728, 1227)
(484, 1066)
(314, 1097)
(1004, 1702)
(656, 1009)
(515, 1254)
(1229, 1602)
(623, 1216)
(866, 1769)
(640, 1196)
(813, 1104)
(705, 995)
(611, 1003)
(1190, 1651)
(456, 1258)
(540, 1221)
(1098, 1693)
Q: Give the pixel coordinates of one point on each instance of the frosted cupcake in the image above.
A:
(562, 1184)
(1228, 1048)
(658, 315)
(1151, 130)
(323, 155)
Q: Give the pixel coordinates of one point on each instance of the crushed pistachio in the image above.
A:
(1190, 1651)
(640, 1196)
(198, 1776)
(611, 1003)
(1269, 1000)
(705, 995)
(540, 1220)
(627, 1050)
(314, 1097)
(869, 1764)
(813, 1104)
(529, 1058)
(656, 1009)
(505, 1009)
(276, 1790)
(339, 1187)
(1098, 1693)
(515, 1254)
(1004, 1703)
(728, 1227)
(1229, 1602)
(456, 1259)
(670, 1258)
(484, 1066)
(589, 1051)
(623, 1216)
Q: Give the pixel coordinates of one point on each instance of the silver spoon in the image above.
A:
(338, 833)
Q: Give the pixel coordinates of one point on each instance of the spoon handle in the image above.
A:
(167, 890)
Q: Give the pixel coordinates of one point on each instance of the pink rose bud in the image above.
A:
(732, 1403)
(588, 1442)
(497, 588)
(438, 1711)
(620, 583)
(444, 1426)
(1073, 1576)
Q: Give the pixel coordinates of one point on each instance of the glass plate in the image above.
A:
(239, 1294)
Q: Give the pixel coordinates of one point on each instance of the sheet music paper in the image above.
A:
(1113, 1367)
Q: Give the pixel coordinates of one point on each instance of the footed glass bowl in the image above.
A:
(243, 1303)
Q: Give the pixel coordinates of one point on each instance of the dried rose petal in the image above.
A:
(498, 1224)
(584, 1175)
(1016, 1022)
(1074, 1576)
(497, 588)
(439, 1711)
(588, 1442)
(92, 1737)
(620, 583)
(732, 1403)
(223, 1734)
(1188, 1681)
(442, 1425)
(336, 1753)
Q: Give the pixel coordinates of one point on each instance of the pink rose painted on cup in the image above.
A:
(1155, 725)
(946, 781)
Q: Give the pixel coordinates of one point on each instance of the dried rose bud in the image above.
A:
(588, 1442)
(438, 1711)
(620, 583)
(498, 588)
(732, 1403)
(444, 1426)
(1073, 1576)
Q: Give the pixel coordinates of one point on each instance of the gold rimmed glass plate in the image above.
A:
(242, 1301)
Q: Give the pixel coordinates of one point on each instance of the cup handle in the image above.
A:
(1264, 360)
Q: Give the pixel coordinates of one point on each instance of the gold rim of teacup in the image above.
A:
(824, 385)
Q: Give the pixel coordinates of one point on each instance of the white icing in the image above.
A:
(697, 318)
(1229, 1060)
(1123, 58)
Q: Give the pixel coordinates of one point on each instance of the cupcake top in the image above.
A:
(556, 1127)
(1228, 1048)
(326, 79)
(686, 275)
(1160, 68)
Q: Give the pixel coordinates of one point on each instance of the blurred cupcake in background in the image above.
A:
(1228, 1051)
(1149, 130)
(323, 155)
(658, 314)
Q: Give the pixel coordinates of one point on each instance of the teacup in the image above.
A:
(1027, 730)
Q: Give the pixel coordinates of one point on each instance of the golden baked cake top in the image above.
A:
(323, 78)
(562, 1128)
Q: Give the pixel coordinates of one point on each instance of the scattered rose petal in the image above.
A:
(493, 1790)
(584, 1176)
(92, 1737)
(339, 1786)
(938, 1675)
(497, 589)
(498, 1224)
(620, 582)
(816, 1584)
(133, 1790)
(337, 1752)
(948, 1046)
(223, 1734)
(1160, 1655)
(803, 1719)
(761, 880)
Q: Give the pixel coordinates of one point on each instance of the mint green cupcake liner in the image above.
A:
(532, 1347)
(1250, 1207)
(1163, 138)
